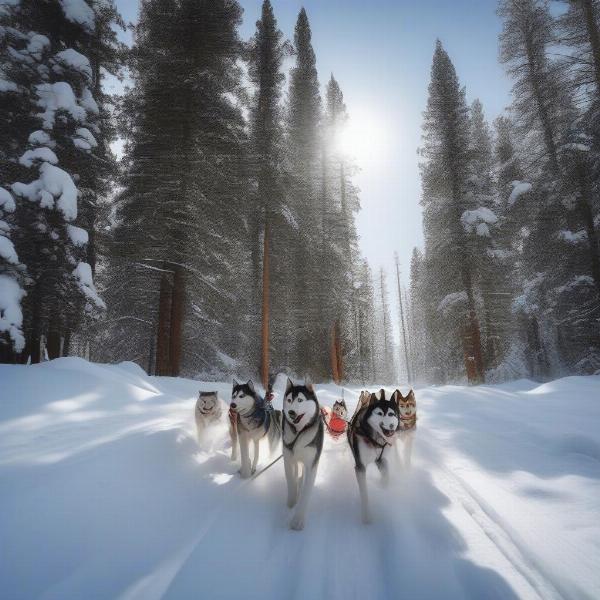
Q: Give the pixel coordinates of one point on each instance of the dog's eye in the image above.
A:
(300, 399)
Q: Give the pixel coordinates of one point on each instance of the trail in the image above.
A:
(108, 494)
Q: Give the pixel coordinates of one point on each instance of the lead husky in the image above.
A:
(302, 432)
(251, 421)
(371, 433)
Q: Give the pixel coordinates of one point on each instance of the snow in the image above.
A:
(573, 238)
(37, 44)
(85, 140)
(478, 221)
(54, 183)
(83, 274)
(11, 316)
(106, 493)
(41, 138)
(519, 188)
(78, 236)
(7, 202)
(8, 86)
(7, 250)
(450, 301)
(53, 97)
(75, 60)
(88, 102)
(42, 154)
(78, 11)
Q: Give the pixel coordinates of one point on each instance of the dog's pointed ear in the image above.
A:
(235, 383)
(382, 394)
(397, 396)
(308, 384)
(410, 396)
(250, 384)
(288, 386)
(373, 398)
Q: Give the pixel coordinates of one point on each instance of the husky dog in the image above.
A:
(408, 423)
(372, 431)
(208, 410)
(336, 419)
(251, 421)
(302, 432)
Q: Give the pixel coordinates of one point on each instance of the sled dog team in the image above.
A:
(371, 432)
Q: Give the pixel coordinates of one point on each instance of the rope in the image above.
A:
(265, 468)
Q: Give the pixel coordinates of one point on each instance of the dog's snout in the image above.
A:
(292, 414)
(233, 405)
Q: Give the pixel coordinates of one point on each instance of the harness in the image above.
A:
(260, 416)
(370, 441)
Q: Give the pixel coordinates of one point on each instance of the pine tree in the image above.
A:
(178, 250)
(445, 170)
(559, 168)
(52, 148)
(271, 230)
(303, 145)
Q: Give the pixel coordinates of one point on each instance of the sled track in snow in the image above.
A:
(501, 536)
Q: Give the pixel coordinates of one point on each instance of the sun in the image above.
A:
(363, 138)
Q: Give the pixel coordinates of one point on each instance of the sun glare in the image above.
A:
(363, 138)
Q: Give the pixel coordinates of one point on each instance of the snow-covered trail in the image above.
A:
(105, 493)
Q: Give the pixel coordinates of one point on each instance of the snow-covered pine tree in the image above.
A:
(180, 250)
(561, 250)
(49, 155)
(451, 265)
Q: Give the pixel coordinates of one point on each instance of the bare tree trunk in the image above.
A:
(177, 302)
(264, 367)
(162, 330)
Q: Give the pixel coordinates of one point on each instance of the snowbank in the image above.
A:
(107, 494)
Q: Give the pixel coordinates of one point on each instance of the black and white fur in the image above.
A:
(371, 434)
(251, 421)
(208, 410)
(302, 432)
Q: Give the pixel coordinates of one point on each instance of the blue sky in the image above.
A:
(380, 52)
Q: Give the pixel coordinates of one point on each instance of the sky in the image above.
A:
(380, 52)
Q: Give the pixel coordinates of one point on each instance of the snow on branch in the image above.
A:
(519, 188)
(11, 315)
(53, 185)
(478, 221)
(7, 202)
(573, 238)
(78, 11)
(452, 301)
(83, 275)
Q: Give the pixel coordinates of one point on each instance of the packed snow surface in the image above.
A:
(106, 493)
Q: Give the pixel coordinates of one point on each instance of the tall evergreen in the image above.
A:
(178, 250)
(52, 160)
(303, 150)
(445, 172)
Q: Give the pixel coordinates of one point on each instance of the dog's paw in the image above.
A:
(297, 523)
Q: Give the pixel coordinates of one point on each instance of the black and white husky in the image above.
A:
(207, 411)
(371, 434)
(251, 421)
(302, 432)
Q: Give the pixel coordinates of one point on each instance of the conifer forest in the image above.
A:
(199, 218)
